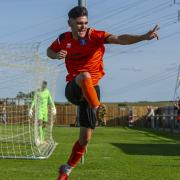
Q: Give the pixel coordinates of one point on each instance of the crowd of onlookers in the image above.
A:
(156, 116)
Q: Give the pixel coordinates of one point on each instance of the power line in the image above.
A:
(165, 37)
(33, 26)
(42, 34)
(118, 10)
(132, 19)
(54, 31)
(143, 45)
(141, 15)
(152, 21)
(168, 23)
(156, 78)
(49, 20)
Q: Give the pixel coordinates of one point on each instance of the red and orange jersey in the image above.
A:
(84, 55)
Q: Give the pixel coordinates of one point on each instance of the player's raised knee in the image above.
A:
(82, 76)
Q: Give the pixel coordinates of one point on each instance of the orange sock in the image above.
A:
(77, 152)
(89, 92)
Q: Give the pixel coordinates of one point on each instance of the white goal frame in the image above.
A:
(23, 71)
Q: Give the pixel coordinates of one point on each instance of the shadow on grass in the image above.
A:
(159, 133)
(164, 165)
(149, 149)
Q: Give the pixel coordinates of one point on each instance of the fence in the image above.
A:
(165, 117)
(67, 115)
(116, 115)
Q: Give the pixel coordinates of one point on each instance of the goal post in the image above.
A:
(22, 73)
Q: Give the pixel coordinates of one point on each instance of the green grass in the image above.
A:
(113, 154)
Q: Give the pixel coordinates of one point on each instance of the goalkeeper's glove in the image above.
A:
(53, 111)
(30, 113)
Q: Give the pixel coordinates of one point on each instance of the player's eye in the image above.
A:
(81, 23)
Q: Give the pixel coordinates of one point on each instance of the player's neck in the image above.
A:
(75, 36)
(43, 89)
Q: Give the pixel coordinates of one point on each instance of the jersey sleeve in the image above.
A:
(56, 45)
(98, 35)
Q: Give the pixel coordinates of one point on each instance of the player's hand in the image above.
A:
(30, 113)
(61, 54)
(152, 33)
(54, 111)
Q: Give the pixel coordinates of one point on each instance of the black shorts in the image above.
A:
(74, 95)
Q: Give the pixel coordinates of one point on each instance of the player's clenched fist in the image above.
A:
(61, 54)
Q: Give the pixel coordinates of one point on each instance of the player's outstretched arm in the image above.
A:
(56, 55)
(51, 102)
(127, 39)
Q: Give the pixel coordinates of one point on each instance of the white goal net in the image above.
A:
(22, 72)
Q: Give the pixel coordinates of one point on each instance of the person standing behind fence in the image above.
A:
(4, 113)
(150, 116)
(177, 106)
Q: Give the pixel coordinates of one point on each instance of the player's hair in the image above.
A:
(44, 82)
(77, 11)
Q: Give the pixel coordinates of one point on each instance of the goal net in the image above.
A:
(22, 73)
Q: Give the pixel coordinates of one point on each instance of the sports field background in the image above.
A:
(114, 153)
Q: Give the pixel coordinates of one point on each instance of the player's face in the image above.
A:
(44, 86)
(79, 26)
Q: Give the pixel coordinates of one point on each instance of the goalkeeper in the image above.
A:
(41, 100)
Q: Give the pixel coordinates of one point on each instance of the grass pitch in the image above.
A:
(113, 154)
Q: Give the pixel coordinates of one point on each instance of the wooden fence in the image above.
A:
(116, 115)
(67, 114)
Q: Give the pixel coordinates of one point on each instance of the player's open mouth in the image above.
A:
(82, 31)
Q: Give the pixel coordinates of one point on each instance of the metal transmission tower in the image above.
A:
(177, 87)
(176, 2)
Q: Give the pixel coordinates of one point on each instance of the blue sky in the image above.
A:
(140, 72)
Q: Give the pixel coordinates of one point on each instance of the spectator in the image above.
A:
(150, 116)
(130, 118)
(157, 117)
(177, 106)
(3, 113)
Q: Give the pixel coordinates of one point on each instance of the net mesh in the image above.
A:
(22, 72)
